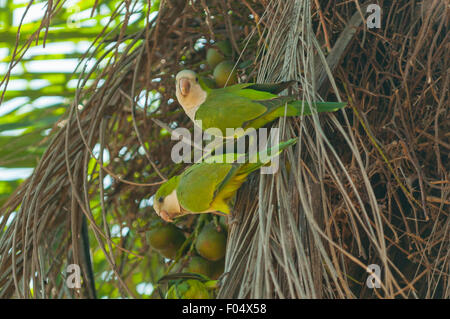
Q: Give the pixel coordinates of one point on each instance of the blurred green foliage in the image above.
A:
(38, 91)
(40, 86)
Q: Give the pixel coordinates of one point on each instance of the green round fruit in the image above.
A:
(214, 57)
(224, 74)
(165, 237)
(169, 253)
(188, 289)
(225, 47)
(211, 244)
(199, 265)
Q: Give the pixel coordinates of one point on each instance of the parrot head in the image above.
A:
(189, 91)
(166, 203)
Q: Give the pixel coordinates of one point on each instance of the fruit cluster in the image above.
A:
(204, 256)
(219, 58)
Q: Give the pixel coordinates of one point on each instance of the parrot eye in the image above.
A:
(160, 199)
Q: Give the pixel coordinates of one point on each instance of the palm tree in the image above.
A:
(365, 188)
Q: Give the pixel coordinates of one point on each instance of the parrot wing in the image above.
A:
(288, 106)
(239, 172)
(252, 105)
(223, 109)
(260, 88)
(274, 88)
(198, 185)
(233, 106)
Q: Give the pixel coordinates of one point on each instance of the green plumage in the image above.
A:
(252, 106)
(198, 185)
(167, 188)
(210, 187)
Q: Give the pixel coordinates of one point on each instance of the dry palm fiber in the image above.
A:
(365, 186)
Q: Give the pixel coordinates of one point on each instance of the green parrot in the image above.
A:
(189, 289)
(208, 187)
(189, 286)
(246, 105)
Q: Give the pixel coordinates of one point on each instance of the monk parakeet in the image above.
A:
(246, 105)
(188, 289)
(207, 187)
(189, 286)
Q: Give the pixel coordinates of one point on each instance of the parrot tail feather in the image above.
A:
(220, 205)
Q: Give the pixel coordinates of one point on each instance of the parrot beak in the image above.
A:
(184, 86)
(165, 216)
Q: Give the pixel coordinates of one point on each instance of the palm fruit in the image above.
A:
(225, 74)
(211, 243)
